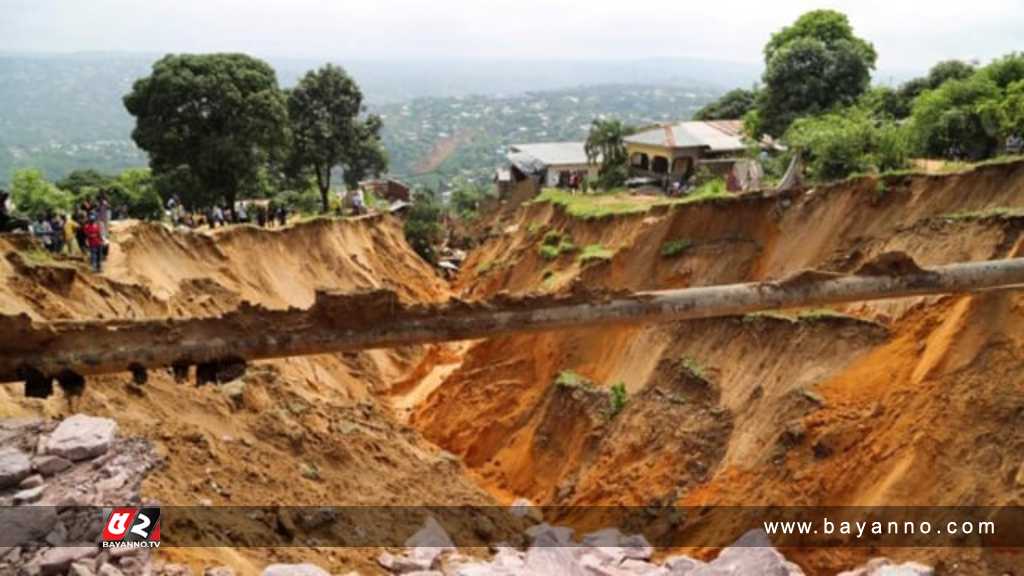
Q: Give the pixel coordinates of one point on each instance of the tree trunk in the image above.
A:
(323, 181)
(344, 322)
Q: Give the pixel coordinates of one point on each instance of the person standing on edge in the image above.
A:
(94, 238)
(71, 235)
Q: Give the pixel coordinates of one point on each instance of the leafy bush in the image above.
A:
(691, 366)
(423, 225)
(674, 248)
(33, 195)
(305, 201)
(548, 252)
(842, 143)
(571, 379)
(618, 398)
(552, 238)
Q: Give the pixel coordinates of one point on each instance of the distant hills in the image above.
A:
(63, 112)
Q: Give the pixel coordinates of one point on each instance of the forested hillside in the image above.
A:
(61, 113)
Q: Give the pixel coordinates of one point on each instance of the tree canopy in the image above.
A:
(328, 132)
(733, 105)
(33, 195)
(811, 67)
(606, 143)
(209, 122)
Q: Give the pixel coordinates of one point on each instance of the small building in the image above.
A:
(388, 189)
(672, 153)
(550, 163)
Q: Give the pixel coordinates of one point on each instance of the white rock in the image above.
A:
(553, 560)
(641, 568)
(109, 570)
(32, 481)
(58, 560)
(682, 565)
(49, 465)
(884, 567)
(636, 546)
(604, 537)
(752, 554)
(28, 495)
(14, 467)
(545, 534)
(294, 570)
(81, 568)
(80, 437)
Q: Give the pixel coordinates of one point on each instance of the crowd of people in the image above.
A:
(263, 214)
(84, 232)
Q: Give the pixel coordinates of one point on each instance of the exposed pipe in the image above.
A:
(119, 346)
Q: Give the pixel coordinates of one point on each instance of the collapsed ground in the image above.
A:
(904, 402)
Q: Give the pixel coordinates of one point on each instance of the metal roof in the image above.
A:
(717, 136)
(550, 153)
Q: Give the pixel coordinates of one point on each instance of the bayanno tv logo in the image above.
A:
(132, 528)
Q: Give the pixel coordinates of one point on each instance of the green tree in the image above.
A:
(950, 121)
(75, 181)
(324, 110)
(33, 195)
(811, 67)
(209, 122)
(466, 197)
(1011, 111)
(844, 142)
(423, 228)
(733, 105)
(606, 143)
(135, 191)
(946, 70)
(1006, 70)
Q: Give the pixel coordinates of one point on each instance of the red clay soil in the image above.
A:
(911, 401)
(915, 403)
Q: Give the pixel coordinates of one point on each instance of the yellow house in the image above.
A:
(673, 152)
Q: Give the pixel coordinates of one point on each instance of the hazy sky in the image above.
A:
(907, 33)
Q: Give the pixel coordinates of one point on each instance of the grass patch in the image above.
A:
(37, 257)
(617, 398)
(997, 212)
(674, 248)
(485, 267)
(554, 245)
(595, 253)
(691, 365)
(591, 206)
(809, 315)
(570, 379)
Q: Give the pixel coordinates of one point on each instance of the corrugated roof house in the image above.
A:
(552, 162)
(675, 150)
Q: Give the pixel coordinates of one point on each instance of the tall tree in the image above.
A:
(325, 110)
(210, 123)
(606, 143)
(732, 105)
(811, 67)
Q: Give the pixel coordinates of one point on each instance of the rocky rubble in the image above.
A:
(49, 474)
(608, 552)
